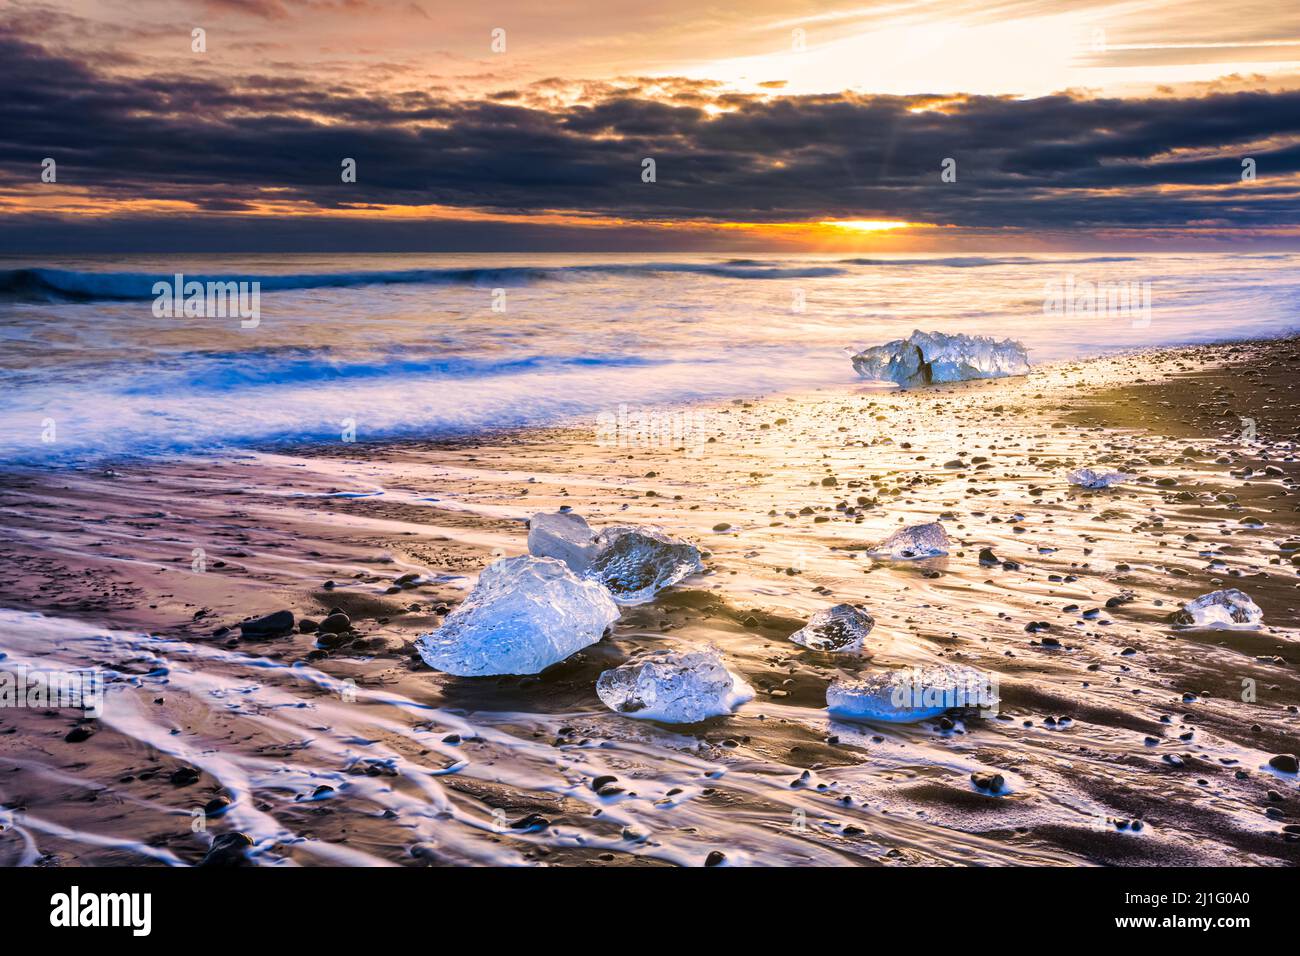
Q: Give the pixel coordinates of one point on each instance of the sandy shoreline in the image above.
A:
(424, 768)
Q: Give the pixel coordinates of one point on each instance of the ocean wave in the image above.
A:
(63, 285)
(973, 262)
(245, 402)
(227, 372)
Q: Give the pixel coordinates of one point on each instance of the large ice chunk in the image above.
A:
(636, 563)
(840, 629)
(1226, 608)
(927, 357)
(1088, 478)
(677, 688)
(524, 615)
(914, 541)
(911, 694)
(563, 535)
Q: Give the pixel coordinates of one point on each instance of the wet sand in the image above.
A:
(1126, 742)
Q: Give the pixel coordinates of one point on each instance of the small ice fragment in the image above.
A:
(524, 615)
(840, 629)
(636, 563)
(1226, 608)
(927, 357)
(914, 541)
(911, 694)
(677, 688)
(1087, 478)
(563, 535)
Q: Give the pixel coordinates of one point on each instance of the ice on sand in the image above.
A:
(674, 687)
(1226, 608)
(914, 541)
(524, 615)
(633, 563)
(840, 629)
(1087, 478)
(636, 563)
(924, 358)
(563, 535)
(912, 694)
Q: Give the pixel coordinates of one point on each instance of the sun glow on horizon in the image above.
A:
(868, 225)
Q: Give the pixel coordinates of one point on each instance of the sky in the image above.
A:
(908, 125)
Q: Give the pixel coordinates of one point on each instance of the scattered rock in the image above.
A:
(1285, 762)
(272, 625)
(228, 849)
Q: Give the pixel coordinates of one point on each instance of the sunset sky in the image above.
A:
(800, 126)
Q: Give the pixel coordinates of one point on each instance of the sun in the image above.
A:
(866, 225)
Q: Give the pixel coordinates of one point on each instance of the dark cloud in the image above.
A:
(1051, 164)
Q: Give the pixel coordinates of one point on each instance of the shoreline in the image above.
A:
(117, 552)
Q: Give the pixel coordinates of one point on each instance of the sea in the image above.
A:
(374, 346)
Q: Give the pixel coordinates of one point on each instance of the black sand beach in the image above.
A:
(1121, 738)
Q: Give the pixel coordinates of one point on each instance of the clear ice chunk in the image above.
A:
(914, 541)
(673, 687)
(636, 563)
(840, 629)
(911, 694)
(563, 535)
(1226, 608)
(1087, 478)
(924, 358)
(524, 615)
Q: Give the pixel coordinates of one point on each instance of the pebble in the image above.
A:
(988, 780)
(1284, 762)
(184, 776)
(271, 625)
(335, 624)
(228, 849)
(533, 820)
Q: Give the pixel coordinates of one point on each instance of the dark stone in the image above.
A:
(229, 849)
(335, 624)
(1284, 762)
(988, 780)
(530, 822)
(272, 625)
(184, 776)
